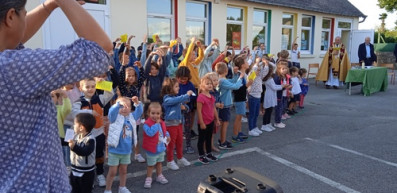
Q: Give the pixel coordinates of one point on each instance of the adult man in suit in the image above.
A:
(366, 52)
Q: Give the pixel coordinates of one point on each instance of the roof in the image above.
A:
(337, 7)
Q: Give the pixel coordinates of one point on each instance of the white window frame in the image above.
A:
(329, 33)
(198, 19)
(311, 35)
(237, 23)
(262, 24)
(288, 27)
(164, 16)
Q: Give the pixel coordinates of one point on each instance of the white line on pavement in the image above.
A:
(308, 172)
(354, 152)
(274, 157)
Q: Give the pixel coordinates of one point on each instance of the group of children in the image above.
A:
(167, 86)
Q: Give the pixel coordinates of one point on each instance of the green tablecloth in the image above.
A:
(373, 79)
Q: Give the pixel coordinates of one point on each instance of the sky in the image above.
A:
(372, 10)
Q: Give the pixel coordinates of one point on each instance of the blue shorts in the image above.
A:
(117, 159)
(240, 107)
(152, 160)
(224, 114)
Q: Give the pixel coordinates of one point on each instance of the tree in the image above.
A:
(389, 5)
(382, 17)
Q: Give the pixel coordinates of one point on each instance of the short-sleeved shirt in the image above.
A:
(30, 152)
(207, 110)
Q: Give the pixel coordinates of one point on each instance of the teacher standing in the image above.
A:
(366, 52)
(30, 152)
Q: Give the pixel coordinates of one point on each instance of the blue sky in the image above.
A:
(372, 10)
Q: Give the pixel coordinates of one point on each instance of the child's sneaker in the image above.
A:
(139, 158)
(183, 161)
(257, 130)
(271, 127)
(244, 120)
(107, 191)
(279, 125)
(237, 140)
(124, 190)
(242, 135)
(172, 165)
(101, 180)
(148, 182)
(253, 133)
(161, 179)
(203, 160)
(225, 145)
(189, 150)
(266, 128)
(283, 117)
(211, 157)
(287, 116)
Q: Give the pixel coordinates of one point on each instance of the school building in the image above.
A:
(235, 22)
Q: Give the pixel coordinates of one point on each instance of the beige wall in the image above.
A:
(129, 16)
(37, 40)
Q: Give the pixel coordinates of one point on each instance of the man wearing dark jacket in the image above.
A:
(366, 52)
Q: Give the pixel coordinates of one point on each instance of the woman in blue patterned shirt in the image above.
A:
(30, 152)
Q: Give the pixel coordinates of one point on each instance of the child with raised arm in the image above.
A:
(122, 134)
(183, 76)
(225, 90)
(240, 98)
(260, 68)
(92, 103)
(173, 104)
(207, 118)
(82, 154)
(155, 136)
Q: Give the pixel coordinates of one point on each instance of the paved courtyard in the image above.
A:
(338, 143)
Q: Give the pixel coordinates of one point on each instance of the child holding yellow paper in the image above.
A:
(93, 103)
(260, 68)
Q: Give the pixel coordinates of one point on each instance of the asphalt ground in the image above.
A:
(337, 143)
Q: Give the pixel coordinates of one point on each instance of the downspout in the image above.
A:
(364, 17)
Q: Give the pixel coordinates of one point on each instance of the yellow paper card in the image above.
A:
(154, 36)
(104, 85)
(123, 38)
(252, 76)
(173, 43)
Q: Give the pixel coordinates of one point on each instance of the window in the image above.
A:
(234, 27)
(259, 29)
(306, 34)
(196, 21)
(346, 25)
(287, 31)
(103, 2)
(160, 19)
(325, 34)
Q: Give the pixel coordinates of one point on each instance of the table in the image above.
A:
(373, 79)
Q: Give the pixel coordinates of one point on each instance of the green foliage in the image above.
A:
(389, 5)
(388, 36)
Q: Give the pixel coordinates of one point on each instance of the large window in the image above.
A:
(96, 1)
(325, 34)
(234, 27)
(287, 31)
(306, 34)
(160, 19)
(259, 29)
(197, 21)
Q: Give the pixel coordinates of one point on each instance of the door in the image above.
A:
(357, 38)
(58, 30)
(345, 39)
